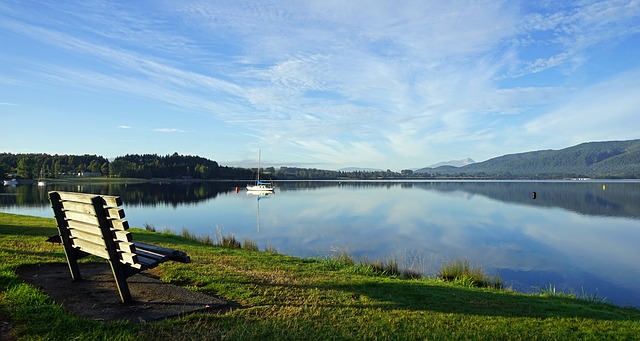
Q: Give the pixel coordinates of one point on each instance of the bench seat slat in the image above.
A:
(172, 254)
(155, 256)
(147, 263)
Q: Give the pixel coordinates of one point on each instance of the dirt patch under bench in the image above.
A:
(96, 297)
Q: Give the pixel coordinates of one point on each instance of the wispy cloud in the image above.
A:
(329, 80)
(599, 112)
(169, 130)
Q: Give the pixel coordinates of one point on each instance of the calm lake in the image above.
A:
(575, 235)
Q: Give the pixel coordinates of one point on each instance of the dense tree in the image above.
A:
(25, 167)
(31, 166)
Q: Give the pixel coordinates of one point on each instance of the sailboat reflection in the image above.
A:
(260, 196)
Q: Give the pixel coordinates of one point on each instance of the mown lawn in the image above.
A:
(288, 298)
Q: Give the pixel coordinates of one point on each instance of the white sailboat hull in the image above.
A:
(260, 188)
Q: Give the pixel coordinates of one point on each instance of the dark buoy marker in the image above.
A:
(534, 195)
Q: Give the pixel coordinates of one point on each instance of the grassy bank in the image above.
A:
(298, 299)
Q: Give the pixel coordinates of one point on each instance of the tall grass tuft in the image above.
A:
(552, 291)
(593, 298)
(229, 241)
(270, 248)
(206, 239)
(188, 234)
(390, 266)
(462, 272)
(250, 245)
(342, 257)
(149, 227)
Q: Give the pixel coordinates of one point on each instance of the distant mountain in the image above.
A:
(611, 159)
(454, 163)
(356, 169)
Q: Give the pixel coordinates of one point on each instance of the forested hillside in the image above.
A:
(613, 159)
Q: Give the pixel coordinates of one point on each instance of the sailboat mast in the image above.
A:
(259, 156)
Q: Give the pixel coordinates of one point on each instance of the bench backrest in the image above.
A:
(93, 224)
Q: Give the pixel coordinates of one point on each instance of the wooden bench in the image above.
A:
(91, 224)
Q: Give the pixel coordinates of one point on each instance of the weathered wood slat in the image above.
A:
(125, 247)
(92, 248)
(77, 234)
(119, 224)
(78, 207)
(114, 213)
(79, 225)
(122, 236)
(78, 197)
(129, 258)
(109, 200)
(86, 218)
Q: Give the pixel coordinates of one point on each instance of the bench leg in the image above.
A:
(73, 264)
(121, 283)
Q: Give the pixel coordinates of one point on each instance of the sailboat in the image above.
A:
(260, 186)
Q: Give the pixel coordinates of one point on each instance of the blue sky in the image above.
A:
(322, 84)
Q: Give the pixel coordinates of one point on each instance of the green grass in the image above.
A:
(288, 298)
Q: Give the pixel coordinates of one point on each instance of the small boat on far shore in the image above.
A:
(11, 182)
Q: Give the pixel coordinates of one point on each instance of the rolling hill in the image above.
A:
(610, 159)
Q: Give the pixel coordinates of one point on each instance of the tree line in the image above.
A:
(175, 166)
(33, 166)
(146, 166)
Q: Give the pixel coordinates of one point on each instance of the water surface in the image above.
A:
(574, 235)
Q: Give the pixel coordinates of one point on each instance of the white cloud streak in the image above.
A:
(169, 130)
(323, 81)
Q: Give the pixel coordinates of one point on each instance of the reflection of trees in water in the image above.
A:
(585, 197)
(143, 194)
(621, 199)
